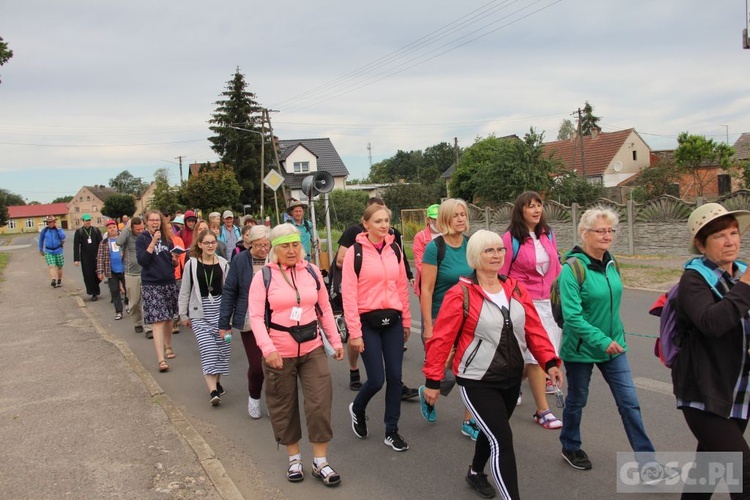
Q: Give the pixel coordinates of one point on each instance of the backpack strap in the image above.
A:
(266, 271)
(358, 255)
(516, 245)
(579, 270)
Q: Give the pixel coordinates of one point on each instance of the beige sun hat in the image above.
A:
(712, 211)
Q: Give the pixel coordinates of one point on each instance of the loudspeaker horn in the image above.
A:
(319, 182)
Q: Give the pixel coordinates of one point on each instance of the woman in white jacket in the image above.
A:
(200, 300)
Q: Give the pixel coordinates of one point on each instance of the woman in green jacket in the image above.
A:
(590, 293)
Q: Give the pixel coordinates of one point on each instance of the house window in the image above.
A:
(301, 166)
(78, 209)
(595, 180)
(88, 198)
(93, 208)
(725, 184)
(12, 224)
(80, 198)
(29, 223)
(98, 221)
(635, 155)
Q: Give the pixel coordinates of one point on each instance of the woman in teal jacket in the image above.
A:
(590, 293)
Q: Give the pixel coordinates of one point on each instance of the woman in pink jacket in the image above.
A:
(375, 293)
(287, 304)
(534, 261)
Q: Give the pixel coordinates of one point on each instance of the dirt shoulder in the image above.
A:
(651, 272)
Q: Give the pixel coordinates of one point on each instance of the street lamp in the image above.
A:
(262, 135)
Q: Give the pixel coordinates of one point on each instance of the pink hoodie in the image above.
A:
(382, 284)
(282, 298)
(524, 268)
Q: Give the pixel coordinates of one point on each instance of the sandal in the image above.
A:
(354, 383)
(326, 473)
(169, 352)
(547, 420)
(163, 366)
(294, 473)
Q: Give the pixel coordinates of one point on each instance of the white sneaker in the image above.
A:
(253, 407)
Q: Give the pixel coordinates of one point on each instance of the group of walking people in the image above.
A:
(487, 323)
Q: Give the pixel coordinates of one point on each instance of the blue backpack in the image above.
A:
(669, 342)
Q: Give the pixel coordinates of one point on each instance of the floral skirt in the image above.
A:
(159, 302)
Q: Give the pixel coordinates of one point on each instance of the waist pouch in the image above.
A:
(381, 319)
(304, 333)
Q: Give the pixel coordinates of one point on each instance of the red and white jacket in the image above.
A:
(382, 284)
(489, 347)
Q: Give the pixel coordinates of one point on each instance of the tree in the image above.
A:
(212, 188)
(656, 180)
(346, 208)
(3, 214)
(695, 152)
(11, 199)
(240, 149)
(496, 170)
(126, 183)
(403, 196)
(441, 156)
(566, 130)
(588, 120)
(404, 166)
(743, 172)
(571, 188)
(118, 205)
(166, 198)
(5, 53)
(63, 199)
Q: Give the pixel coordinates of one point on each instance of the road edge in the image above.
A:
(214, 468)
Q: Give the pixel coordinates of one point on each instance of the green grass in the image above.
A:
(657, 273)
(3, 262)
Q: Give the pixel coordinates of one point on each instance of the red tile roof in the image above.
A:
(599, 152)
(25, 211)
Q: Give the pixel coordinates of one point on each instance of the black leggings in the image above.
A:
(492, 409)
(715, 433)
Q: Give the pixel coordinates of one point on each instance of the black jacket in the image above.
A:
(709, 363)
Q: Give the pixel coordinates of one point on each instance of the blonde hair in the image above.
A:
(478, 243)
(445, 214)
(372, 209)
(283, 230)
(590, 216)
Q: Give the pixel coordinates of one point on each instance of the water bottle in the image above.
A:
(228, 338)
(559, 397)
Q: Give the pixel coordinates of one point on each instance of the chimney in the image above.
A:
(595, 132)
(573, 136)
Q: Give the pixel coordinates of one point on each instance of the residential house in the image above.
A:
(89, 200)
(143, 204)
(712, 180)
(742, 147)
(31, 218)
(302, 157)
(608, 158)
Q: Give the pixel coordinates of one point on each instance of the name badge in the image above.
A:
(296, 313)
(89, 240)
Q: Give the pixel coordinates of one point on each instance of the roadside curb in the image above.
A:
(215, 471)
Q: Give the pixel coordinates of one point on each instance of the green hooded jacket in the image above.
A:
(591, 311)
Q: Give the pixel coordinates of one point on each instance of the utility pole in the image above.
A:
(180, 158)
(455, 149)
(276, 156)
(726, 127)
(580, 136)
(369, 154)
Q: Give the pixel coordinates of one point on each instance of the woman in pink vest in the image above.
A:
(534, 261)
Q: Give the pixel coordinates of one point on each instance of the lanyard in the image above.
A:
(209, 278)
(88, 233)
(291, 283)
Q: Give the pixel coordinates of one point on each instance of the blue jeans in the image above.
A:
(383, 347)
(616, 373)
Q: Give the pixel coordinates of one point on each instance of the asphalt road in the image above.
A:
(439, 455)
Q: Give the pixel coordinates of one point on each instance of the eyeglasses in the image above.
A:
(154, 220)
(209, 243)
(602, 232)
(261, 245)
(495, 251)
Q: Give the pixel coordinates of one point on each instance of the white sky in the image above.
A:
(96, 87)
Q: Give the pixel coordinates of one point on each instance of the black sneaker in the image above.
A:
(359, 422)
(220, 389)
(94, 298)
(149, 334)
(215, 399)
(54, 283)
(59, 283)
(479, 483)
(408, 393)
(577, 459)
(138, 329)
(395, 441)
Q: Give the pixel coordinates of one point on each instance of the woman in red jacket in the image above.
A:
(491, 320)
(374, 288)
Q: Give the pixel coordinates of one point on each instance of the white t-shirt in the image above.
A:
(542, 257)
(499, 298)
